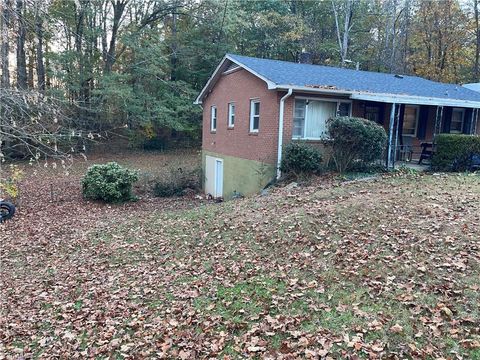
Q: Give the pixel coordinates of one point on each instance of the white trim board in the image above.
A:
(414, 100)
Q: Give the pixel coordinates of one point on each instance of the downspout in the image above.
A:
(280, 131)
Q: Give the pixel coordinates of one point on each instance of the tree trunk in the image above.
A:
(346, 29)
(104, 33)
(5, 47)
(118, 8)
(173, 58)
(31, 66)
(39, 55)
(406, 42)
(344, 38)
(477, 41)
(21, 59)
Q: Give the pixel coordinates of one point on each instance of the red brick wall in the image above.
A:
(240, 87)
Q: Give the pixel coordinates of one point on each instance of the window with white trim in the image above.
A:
(410, 120)
(254, 115)
(458, 117)
(213, 118)
(231, 115)
(310, 117)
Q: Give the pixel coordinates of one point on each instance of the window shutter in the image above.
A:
(381, 113)
(467, 120)
(447, 119)
(401, 115)
(422, 122)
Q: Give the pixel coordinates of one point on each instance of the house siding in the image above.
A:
(240, 87)
(241, 176)
(249, 158)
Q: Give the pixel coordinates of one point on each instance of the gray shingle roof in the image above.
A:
(318, 76)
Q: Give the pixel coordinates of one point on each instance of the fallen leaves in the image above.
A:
(268, 277)
(396, 329)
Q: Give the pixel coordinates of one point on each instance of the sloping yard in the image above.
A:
(387, 268)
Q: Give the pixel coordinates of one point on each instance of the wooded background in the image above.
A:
(139, 64)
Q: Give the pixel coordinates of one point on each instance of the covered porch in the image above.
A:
(412, 124)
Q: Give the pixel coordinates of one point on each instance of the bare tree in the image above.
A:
(34, 126)
(343, 38)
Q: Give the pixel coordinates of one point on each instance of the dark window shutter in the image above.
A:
(467, 121)
(400, 116)
(447, 119)
(381, 113)
(422, 122)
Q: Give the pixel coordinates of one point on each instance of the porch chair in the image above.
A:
(427, 152)
(406, 149)
(474, 162)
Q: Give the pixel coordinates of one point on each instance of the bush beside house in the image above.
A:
(454, 152)
(109, 182)
(300, 158)
(355, 140)
(177, 181)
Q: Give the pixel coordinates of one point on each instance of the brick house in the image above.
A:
(247, 100)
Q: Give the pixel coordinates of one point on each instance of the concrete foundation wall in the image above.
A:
(241, 175)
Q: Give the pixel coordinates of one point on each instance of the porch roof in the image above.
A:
(356, 84)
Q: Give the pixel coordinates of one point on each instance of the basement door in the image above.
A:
(218, 178)
(214, 176)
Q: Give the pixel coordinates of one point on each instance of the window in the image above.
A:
(410, 120)
(213, 118)
(343, 109)
(231, 115)
(310, 117)
(372, 113)
(456, 126)
(254, 115)
(299, 119)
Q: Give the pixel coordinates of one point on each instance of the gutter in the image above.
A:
(415, 100)
(280, 130)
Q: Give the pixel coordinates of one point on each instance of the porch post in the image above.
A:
(390, 161)
(438, 122)
(474, 121)
(472, 116)
(397, 126)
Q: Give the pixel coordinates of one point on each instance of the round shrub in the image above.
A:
(355, 140)
(300, 158)
(109, 182)
(454, 152)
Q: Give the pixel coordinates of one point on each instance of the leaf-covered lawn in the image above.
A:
(388, 268)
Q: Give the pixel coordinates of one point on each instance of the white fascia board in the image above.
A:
(270, 84)
(198, 100)
(414, 100)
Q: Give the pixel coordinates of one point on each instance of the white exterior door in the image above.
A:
(218, 178)
(214, 176)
